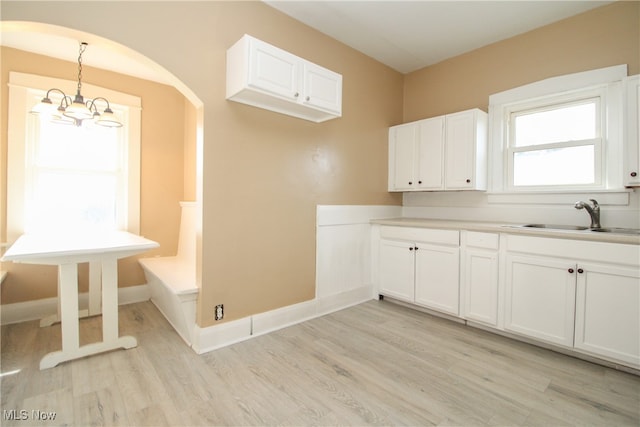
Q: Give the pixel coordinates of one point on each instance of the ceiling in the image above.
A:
(409, 35)
(405, 35)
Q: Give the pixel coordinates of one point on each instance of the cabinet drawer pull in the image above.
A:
(571, 270)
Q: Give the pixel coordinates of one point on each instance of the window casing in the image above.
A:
(556, 143)
(33, 168)
(602, 89)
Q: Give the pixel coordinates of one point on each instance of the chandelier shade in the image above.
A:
(76, 110)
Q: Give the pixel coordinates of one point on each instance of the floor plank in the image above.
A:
(377, 363)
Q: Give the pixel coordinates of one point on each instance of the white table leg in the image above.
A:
(95, 283)
(94, 297)
(109, 300)
(110, 307)
(53, 318)
(68, 300)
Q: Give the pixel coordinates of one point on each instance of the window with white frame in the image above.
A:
(63, 176)
(556, 143)
(563, 134)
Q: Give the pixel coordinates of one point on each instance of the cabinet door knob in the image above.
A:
(410, 183)
(296, 95)
(634, 174)
(580, 271)
(468, 181)
(419, 182)
(411, 248)
(308, 98)
(571, 270)
(416, 248)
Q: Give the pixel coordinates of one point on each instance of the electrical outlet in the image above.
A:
(219, 312)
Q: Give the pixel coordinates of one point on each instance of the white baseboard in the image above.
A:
(41, 308)
(215, 337)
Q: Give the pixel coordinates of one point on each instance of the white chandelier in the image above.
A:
(77, 110)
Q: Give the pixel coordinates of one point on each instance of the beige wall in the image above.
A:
(263, 173)
(164, 112)
(602, 37)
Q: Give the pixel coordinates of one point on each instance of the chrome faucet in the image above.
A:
(594, 212)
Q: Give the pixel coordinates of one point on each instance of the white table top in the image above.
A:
(57, 247)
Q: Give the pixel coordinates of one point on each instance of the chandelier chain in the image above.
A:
(83, 46)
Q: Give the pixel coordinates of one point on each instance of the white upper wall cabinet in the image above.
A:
(441, 153)
(632, 131)
(265, 76)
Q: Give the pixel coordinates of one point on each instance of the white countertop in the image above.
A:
(496, 227)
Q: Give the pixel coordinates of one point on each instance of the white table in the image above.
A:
(66, 250)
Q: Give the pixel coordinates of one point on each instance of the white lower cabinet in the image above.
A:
(420, 266)
(582, 295)
(577, 294)
(397, 270)
(608, 312)
(540, 298)
(479, 277)
(437, 277)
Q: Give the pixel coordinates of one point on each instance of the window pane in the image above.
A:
(88, 147)
(573, 122)
(560, 166)
(64, 199)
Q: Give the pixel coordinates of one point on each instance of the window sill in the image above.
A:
(619, 197)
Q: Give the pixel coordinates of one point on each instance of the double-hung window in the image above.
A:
(556, 143)
(65, 177)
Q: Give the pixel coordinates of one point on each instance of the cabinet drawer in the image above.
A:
(427, 235)
(482, 240)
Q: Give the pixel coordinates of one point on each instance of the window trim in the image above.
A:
(607, 80)
(19, 86)
(599, 95)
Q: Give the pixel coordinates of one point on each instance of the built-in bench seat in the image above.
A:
(172, 280)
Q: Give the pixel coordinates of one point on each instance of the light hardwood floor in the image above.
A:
(374, 364)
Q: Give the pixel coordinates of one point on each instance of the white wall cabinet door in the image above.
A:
(466, 148)
(396, 269)
(607, 319)
(430, 155)
(273, 70)
(632, 131)
(322, 88)
(437, 277)
(540, 298)
(402, 151)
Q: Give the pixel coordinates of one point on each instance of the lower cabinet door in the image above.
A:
(480, 286)
(437, 277)
(396, 269)
(608, 312)
(540, 298)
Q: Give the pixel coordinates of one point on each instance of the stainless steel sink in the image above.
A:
(631, 231)
(556, 227)
(615, 230)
